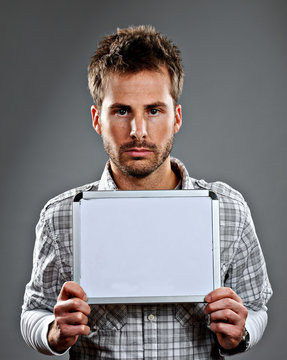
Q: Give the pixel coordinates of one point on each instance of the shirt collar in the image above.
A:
(179, 168)
(107, 182)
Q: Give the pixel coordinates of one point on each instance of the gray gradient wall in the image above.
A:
(234, 111)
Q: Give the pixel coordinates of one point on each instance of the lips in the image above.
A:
(138, 152)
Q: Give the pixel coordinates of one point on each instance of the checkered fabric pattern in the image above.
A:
(153, 331)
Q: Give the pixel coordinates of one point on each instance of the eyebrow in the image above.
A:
(128, 107)
(119, 106)
(155, 105)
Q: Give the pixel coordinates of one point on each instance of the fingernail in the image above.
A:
(207, 298)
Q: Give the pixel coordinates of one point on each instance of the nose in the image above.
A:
(138, 128)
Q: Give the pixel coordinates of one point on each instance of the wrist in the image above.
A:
(52, 339)
(241, 347)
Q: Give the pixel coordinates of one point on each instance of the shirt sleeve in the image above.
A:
(247, 274)
(42, 291)
(45, 284)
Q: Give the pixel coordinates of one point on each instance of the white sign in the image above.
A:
(156, 248)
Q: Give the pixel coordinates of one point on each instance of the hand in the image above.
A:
(71, 317)
(227, 316)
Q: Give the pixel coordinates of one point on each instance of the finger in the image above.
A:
(71, 305)
(71, 289)
(67, 330)
(227, 316)
(225, 303)
(75, 318)
(229, 330)
(221, 293)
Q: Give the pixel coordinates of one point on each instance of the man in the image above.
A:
(135, 78)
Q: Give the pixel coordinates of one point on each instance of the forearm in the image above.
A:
(34, 329)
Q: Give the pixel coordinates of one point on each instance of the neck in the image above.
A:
(162, 178)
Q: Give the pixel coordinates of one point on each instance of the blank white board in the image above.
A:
(146, 246)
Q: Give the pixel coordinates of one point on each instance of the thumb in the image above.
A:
(70, 289)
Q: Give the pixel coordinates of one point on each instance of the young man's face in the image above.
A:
(138, 121)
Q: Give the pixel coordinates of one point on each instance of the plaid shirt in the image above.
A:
(153, 331)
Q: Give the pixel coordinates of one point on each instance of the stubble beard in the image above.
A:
(138, 167)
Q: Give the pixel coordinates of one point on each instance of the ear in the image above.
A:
(96, 119)
(178, 119)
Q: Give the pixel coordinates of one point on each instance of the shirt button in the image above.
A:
(151, 317)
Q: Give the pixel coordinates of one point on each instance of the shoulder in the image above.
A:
(234, 210)
(223, 191)
(61, 204)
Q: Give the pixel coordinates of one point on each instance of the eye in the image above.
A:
(122, 112)
(154, 111)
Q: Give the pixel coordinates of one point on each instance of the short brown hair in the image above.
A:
(131, 50)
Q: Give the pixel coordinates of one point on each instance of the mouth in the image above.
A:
(138, 152)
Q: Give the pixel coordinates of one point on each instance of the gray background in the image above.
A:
(234, 111)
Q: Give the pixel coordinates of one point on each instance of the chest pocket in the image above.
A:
(191, 314)
(107, 317)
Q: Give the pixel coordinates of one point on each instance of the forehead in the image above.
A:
(145, 86)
